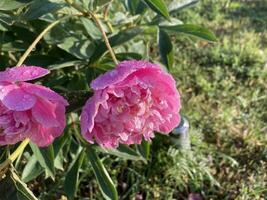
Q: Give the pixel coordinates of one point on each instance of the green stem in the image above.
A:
(39, 37)
(98, 23)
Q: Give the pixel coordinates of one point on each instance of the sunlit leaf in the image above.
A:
(193, 30)
(159, 7)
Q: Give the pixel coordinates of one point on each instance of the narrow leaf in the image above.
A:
(106, 185)
(124, 152)
(45, 157)
(193, 30)
(72, 176)
(165, 48)
(144, 149)
(11, 187)
(159, 7)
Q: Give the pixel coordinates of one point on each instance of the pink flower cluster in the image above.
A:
(129, 104)
(29, 110)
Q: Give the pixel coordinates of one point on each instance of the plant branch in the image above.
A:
(39, 37)
(98, 23)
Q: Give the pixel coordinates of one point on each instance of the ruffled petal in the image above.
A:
(123, 70)
(90, 111)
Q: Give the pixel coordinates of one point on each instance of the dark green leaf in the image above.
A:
(16, 45)
(72, 176)
(135, 6)
(12, 4)
(115, 40)
(177, 5)
(41, 7)
(193, 30)
(129, 56)
(159, 7)
(165, 48)
(106, 185)
(45, 157)
(144, 149)
(12, 188)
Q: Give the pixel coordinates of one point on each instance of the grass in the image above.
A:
(223, 87)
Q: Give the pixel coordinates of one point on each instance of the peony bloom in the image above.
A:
(129, 104)
(29, 110)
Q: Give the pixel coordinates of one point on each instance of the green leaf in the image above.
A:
(144, 149)
(115, 40)
(40, 8)
(80, 48)
(72, 177)
(12, 188)
(177, 5)
(106, 185)
(6, 20)
(135, 6)
(165, 48)
(123, 151)
(13, 4)
(129, 56)
(45, 157)
(64, 64)
(91, 28)
(31, 170)
(159, 7)
(193, 30)
(101, 2)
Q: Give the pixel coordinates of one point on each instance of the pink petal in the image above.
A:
(90, 111)
(120, 73)
(43, 92)
(18, 100)
(23, 73)
(5, 88)
(45, 113)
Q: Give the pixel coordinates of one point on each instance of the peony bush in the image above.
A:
(117, 53)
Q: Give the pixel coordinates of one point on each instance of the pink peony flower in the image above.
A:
(129, 104)
(29, 110)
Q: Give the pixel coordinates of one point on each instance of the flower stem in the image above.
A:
(14, 155)
(39, 37)
(98, 23)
